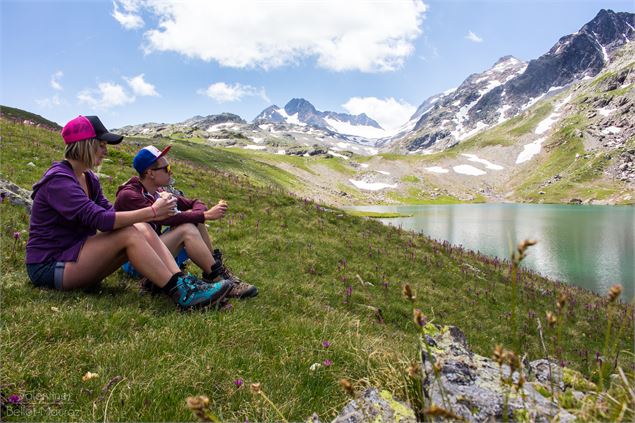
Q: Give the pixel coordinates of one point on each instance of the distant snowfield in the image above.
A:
(488, 164)
(364, 165)
(257, 140)
(436, 169)
(293, 119)
(357, 130)
(468, 170)
(530, 150)
(383, 172)
(255, 147)
(371, 186)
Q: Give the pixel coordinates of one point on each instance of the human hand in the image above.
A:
(164, 206)
(216, 212)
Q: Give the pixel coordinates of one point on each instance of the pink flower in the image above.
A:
(16, 235)
(326, 344)
(238, 382)
(327, 363)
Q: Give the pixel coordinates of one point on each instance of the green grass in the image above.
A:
(410, 178)
(302, 258)
(376, 215)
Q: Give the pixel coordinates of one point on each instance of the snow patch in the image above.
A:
(333, 153)
(468, 170)
(383, 172)
(436, 169)
(292, 119)
(257, 140)
(530, 150)
(611, 130)
(255, 147)
(371, 186)
(364, 165)
(488, 164)
(546, 123)
(501, 113)
(604, 111)
(281, 152)
(531, 102)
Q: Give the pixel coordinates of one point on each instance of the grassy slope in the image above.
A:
(295, 253)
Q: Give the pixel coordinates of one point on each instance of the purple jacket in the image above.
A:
(63, 217)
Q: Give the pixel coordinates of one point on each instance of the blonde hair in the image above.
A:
(84, 151)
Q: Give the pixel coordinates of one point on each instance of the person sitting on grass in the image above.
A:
(65, 251)
(187, 227)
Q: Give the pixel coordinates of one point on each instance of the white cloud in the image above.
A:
(106, 95)
(389, 113)
(128, 19)
(368, 36)
(140, 87)
(473, 37)
(55, 80)
(223, 93)
(51, 102)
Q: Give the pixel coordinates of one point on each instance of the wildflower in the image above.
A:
(315, 366)
(16, 235)
(562, 300)
(615, 292)
(255, 388)
(326, 344)
(347, 386)
(327, 363)
(238, 382)
(418, 317)
(89, 376)
(498, 354)
(437, 366)
(198, 405)
(413, 370)
(407, 292)
(2, 197)
(436, 411)
(15, 399)
(551, 319)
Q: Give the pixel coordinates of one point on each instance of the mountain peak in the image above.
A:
(299, 105)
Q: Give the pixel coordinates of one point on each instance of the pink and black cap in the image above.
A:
(85, 127)
(147, 156)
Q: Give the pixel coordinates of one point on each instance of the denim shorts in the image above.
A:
(47, 275)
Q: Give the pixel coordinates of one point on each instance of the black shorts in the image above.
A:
(47, 275)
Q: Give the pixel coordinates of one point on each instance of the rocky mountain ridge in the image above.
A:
(511, 86)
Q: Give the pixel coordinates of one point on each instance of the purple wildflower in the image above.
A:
(238, 382)
(326, 344)
(15, 399)
(16, 235)
(327, 363)
(2, 196)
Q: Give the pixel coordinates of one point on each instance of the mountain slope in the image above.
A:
(516, 86)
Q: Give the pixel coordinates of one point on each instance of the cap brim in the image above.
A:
(164, 152)
(110, 138)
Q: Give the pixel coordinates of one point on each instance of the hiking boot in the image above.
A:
(240, 289)
(191, 292)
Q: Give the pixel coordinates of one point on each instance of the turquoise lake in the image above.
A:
(588, 246)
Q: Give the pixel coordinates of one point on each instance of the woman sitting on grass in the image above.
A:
(64, 250)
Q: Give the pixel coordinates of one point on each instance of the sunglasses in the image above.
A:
(167, 168)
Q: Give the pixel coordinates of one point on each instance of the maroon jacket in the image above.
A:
(133, 196)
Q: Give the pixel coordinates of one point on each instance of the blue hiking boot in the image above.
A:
(191, 292)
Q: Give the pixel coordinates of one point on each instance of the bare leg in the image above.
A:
(203, 230)
(189, 236)
(106, 251)
(158, 246)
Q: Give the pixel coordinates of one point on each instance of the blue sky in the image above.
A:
(135, 61)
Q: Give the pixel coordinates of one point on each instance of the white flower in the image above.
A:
(315, 366)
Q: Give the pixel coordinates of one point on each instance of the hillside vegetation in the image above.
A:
(323, 276)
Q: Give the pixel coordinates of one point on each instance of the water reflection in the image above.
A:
(588, 246)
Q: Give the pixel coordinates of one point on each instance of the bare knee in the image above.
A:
(187, 231)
